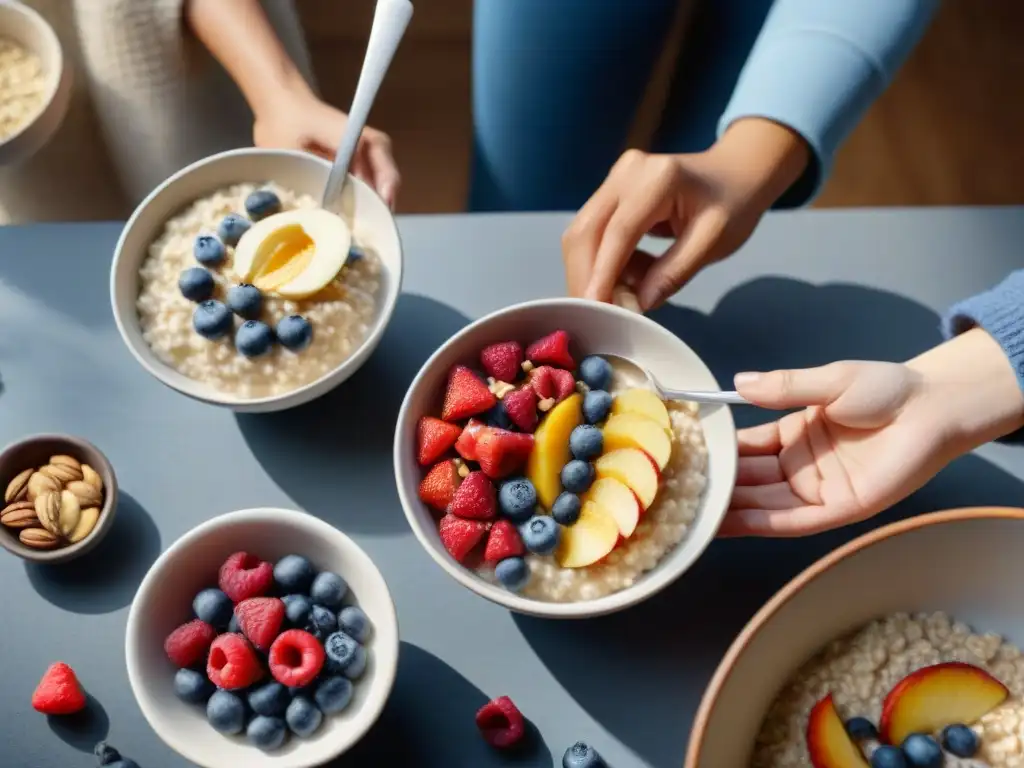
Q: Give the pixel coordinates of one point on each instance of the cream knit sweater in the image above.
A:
(147, 100)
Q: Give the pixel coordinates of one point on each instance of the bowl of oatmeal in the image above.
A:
(232, 286)
(549, 481)
(35, 82)
(896, 650)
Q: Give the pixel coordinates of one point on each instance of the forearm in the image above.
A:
(766, 157)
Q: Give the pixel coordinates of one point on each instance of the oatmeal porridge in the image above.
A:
(923, 685)
(23, 87)
(256, 291)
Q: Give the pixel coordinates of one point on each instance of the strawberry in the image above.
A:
(553, 349)
(521, 407)
(465, 446)
(466, 395)
(437, 489)
(232, 663)
(552, 382)
(260, 620)
(243, 576)
(501, 723)
(188, 643)
(433, 438)
(503, 360)
(503, 541)
(501, 452)
(475, 498)
(461, 536)
(58, 693)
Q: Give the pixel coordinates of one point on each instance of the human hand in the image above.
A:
(869, 434)
(709, 202)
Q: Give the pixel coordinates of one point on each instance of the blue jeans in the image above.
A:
(557, 83)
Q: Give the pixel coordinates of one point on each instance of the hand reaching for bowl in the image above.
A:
(868, 435)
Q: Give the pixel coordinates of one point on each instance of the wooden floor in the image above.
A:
(949, 131)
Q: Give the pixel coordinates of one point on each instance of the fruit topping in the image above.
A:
(353, 621)
(231, 229)
(551, 448)
(245, 300)
(632, 468)
(552, 349)
(208, 250)
(334, 694)
(302, 717)
(521, 408)
(321, 622)
(629, 430)
(922, 751)
(500, 452)
(214, 607)
(328, 589)
(465, 444)
(513, 573)
(460, 536)
(467, 395)
(211, 319)
(188, 644)
(296, 658)
(293, 573)
(595, 372)
(232, 664)
(191, 686)
(517, 498)
(59, 692)
(196, 284)
(828, 743)
(503, 541)
(959, 740)
(243, 576)
(254, 338)
(475, 498)
(540, 534)
(262, 203)
(433, 439)
(566, 509)
(589, 540)
(586, 442)
(861, 729)
(294, 332)
(886, 756)
(503, 360)
(553, 383)
(267, 733)
(643, 402)
(577, 476)
(596, 405)
(345, 655)
(270, 699)
(498, 416)
(260, 620)
(501, 723)
(226, 713)
(437, 488)
(618, 501)
(297, 609)
(582, 755)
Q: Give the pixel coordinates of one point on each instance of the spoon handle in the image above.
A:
(390, 20)
(726, 398)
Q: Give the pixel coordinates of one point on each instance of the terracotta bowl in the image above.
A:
(964, 562)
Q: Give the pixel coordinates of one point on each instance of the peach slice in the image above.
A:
(589, 539)
(828, 743)
(933, 697)
(632, 468)
(551, 448)
(643, 402)
(630, 430)
(616, 499)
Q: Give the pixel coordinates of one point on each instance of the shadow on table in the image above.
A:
(655, 660)
(83, 729)
(431, 713)
(105, 579)
(353, 427)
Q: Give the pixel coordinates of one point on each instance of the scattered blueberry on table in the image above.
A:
(196, 284)
(254, 338)
(208, 250)
(232, 227)
(211, 319)
(262, 203)
(294, 332)
(108, 757)
(245, 300)
(582, 755)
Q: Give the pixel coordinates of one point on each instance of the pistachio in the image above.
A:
(86, 493)
(64, 460)
(62, 473)
(38, 538)
(70, 512)
(92, 477)
(85, 524)
(38, 484)
(17, 489)
(48, 511)
(20, 514)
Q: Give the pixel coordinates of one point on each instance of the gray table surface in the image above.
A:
(809, 288)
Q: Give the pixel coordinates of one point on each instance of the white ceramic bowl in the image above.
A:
(190, 564)
(26, 27)
(964, 562)
(594, 328)
(368, 216)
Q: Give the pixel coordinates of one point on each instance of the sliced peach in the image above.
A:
(933, 697)
(551, 448)
(589, 539)
(632, 468)
(643, 402)
(828, 743)
(616, 499)
(630, 430)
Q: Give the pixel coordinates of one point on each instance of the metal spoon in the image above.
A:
(694, 396)
(390, 20)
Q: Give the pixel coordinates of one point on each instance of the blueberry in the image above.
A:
(294, 573)
(345, 655)
(922, 751)
(960, 740)
(540, 534)
(596, 372)
(586, 442)
(266, 732)
(245, 300)
(354, 622)
(861, 729)
(191, 686)
(566, 509)
(232, 227)
(322, 622)
(124, 762)
(262, 203)
(213, 607)
(297, 608)
(582, 755)
(498, 417)
(196, 284)
(888, 757)
(355, 253)
(513, 573)
(303, 717)
(517, 498)
(269, 699)
(577, 476)
(105, 754)
(328, 589)
(226, 712)
(208, 250)
(294, 332)
(254, 338)
(333, 694)
(596, 404)
(211, 319)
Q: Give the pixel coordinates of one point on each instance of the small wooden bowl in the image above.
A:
(35, 451)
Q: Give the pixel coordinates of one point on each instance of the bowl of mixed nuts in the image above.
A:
(60, 496)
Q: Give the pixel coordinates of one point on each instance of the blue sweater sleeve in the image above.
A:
(818, 65)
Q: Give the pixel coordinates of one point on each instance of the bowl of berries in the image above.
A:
(263, 637)
(551, 480)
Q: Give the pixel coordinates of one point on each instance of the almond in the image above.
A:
(38, 538)
(65, 460)
(92, 477)
(62, 473)
(17, 489)
(70, 512)
(39, 484)
(86, 493)
(20, 514)
(48, 511)
(86, 523)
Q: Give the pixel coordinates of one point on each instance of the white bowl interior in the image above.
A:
(164, 601)
(971, 569)
(369, 218)
(594, 328)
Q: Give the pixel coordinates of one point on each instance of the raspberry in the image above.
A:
(243, 576)
(552, 382)
(521, 407)
(553, 349)
(296, 658)
(58, 693)
(502, 360)
(188, 643)
(260, 620)
(501, 723)
(232, 663)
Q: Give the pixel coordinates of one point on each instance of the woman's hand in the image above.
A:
(710, 202)
(869, 434)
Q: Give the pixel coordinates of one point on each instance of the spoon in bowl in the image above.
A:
(693, 396)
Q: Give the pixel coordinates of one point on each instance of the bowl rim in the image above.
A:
(156, 370)
(387, 675)
(641, 590)
(724, 670)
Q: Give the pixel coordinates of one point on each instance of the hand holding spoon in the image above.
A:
(694, 396)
